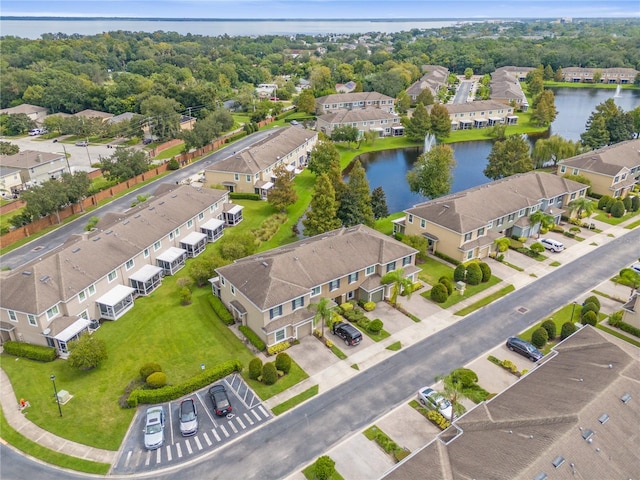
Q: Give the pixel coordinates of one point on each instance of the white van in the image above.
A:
(552, 245)
(37, 131)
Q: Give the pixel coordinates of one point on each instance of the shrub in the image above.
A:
(446, 258)
(253, 337)
(537, 247)
(255, 368)
(363, 323)
(447, 283)
(32, 352)
(157, 380)
(283, 362)
(173, 164)
(550, 327)
(277, 348)
(604, 200)
(474, 274)
(465, 376)
(438, 419)
(220, 310)
(627, 203)
(375, 326)
(347, 307)
(625, 327)
(615, 318)
(539, 337)
(185, 296)
(439, 293)
(588, 307)
(459, 273)
(324, 468)
(590, 318)
(269, 373)
(486, 271)
(635, 204)
(149, 368)
(244, 196)
(369, 306)
(617, 209)
(568, 328)
(593, 299)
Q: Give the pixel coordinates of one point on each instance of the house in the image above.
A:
(576, 415)
(367, 119)
(187, 122)
(505, 86)
(345, 87)
(631, 310)
(36, 167)
(251, 170)
(89, 113)
(270, 292)
(126, 116)
(434, 79)
(349, 101)
(266, 90)
(34, 112)
(479, 114)
(99, 274)
(10, 181)
(465, 225)
(607, 75)
(612, 170)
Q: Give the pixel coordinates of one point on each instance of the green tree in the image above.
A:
(320, 79)
(306, 102)
(208, 129)
(238, 245)
(425, 97)
(544, 109)
(322, 214)
(125, 163)
(596, 135)
(631, 278)
(535, 82)
(403, 102)
(345, 133)
(76, 186)
(453, 389)
(399, 283)
(389, 82)
(323, 313)
(541, 219)
(324, 156)
(548, 73)
(282, 194)
(87, 352)
(162, 116)
(582, 205)
(440, 121)
(16, 124)
(8, 148)
(324, 468)
(554, 149)
(508, 158)
(358, 186)
(617, 209)
(203, 267)
(379, 203)
(431, 174)
(468, 73)
(417, 127)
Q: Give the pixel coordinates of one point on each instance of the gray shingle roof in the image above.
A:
(357, 115)
(279, 275)
(28, 159)
(478, 106)
(352, 97)
(473, 208)
(608, 160)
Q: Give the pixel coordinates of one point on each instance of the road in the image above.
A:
(40, 246)
(462, 93)
(291, 441)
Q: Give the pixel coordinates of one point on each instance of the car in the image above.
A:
(524, 348)
(552, 245)
(220, 400)
(154, 428)
(82, 143)
(435, 401)
(636, 267)
(350, 334)
(188, 417)
(147, 141)
(293, 122)
(37, 131)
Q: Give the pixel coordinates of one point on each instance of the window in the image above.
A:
(112, 276)
(410, 218)
(351, 295)
(576, 171)
(297, 303)
(190, 224)
(573, 196)
(156, 246)
(236, 176)
(467, 236)
(533, 209)
(522, 212)
(511, 217)
(146, 253)
(500, 221)
(129, 265)
(370, 270)
(200, 215)
(469, 254)
(275, 312)
(52, 312)
(177, 232)
(315, 291)
(233, 290)
(616, 179)
(563, 169)
(353, 277)
(481, 231)
(334, 285)
(32, 320)
(12, 316)
(171, 235)
(406, 261)
(222, 281)
(391, 266)
(248, 177)
(84, 315)
(280, 334)
(92, 289)
(82, 296)
(423, 223)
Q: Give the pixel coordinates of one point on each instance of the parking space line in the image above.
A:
(148, 460)
(255, 414)
(233, 427)
(188, 444)
(224, 430)
(215, 434)
(206, 439)
(171, 423)
(241, 423)
(263, 411)
(198, 444)
(168, 452)
(158, 455)
(248, 418)
(126, 462)
(179, 448)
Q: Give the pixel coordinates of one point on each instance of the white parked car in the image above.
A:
(552, 245)
(154, 428)
(434, 401)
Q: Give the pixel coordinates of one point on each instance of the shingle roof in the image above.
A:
(478, 106)
(28, 159)
(89, 113)
(25, 108)
(357, 115)
(545, 415)
(608, 160)
(82, 260)
(352, 97)
(473, 208)
(265, 153)
(276, 276)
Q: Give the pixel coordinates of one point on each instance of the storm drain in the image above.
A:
(522, 310)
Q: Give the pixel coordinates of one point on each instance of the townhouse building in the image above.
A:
(434, 79)
(99, 274)
(480, 114)
(251, 170)
(505, 86)
(10, 181)
(382, 122)
(270, 292)
(350, 101)
(36, 167)
(465, 225)
(612, 170)
(34, 112)
(602, 75)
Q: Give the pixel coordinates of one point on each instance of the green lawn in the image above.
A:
(486, 300)
(310, 473)
(294, 401)
(170, 152)
(295, 375)
(433, 270)
(604, 217)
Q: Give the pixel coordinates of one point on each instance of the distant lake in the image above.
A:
(34, 28)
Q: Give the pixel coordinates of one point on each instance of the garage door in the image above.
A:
(377, 296)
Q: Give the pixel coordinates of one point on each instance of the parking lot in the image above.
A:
(213, 431)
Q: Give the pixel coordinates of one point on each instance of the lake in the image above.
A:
(389, 168)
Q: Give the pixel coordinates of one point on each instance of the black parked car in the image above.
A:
(220, 400)
(524, 348)
(350, 334)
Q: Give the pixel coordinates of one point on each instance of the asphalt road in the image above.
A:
(50, 241)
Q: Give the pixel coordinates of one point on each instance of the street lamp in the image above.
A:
(55, 393)
(573, 310)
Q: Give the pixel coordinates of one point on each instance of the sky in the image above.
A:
(323, 9)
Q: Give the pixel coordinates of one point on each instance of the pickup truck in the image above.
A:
(350, 334)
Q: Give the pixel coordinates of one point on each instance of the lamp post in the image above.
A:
(573, 310)
(55, 393)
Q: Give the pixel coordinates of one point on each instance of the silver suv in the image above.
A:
(552, 245)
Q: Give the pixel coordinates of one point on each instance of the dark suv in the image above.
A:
(350, 334)
(524, 348)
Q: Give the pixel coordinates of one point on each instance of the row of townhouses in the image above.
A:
(29, 168)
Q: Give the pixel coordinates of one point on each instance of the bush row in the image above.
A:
(220, 310)
(253, 337)
(447, 258)
(506, 364)
(277, 348)
(438, 419)
(615, 320)
(32, 352)
(243, 196)
(171, 392)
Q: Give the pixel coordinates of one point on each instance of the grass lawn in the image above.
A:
(376, 337)
(394, 347)
(469, 292)
(170, 152)
(486, 300)
(385, 226)
(295, 375)
(432, 270)
(633, 225)
(294, 401)
(604, 217)
(157, 329)
(310, 473)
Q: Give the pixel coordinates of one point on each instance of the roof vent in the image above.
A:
(26, 272)
(173, 196)
(540, 476)
(603, 418)
(45, 278)
(126, 222)
(265, 264)
(137, 216)
(587, 434)
(96, 239)
(109, 232)
(75, 250)
(559, 460)
(625, 398)
(161, 203)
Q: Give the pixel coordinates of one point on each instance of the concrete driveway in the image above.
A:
(312, 355)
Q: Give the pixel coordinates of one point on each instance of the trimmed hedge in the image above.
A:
(149, 368)
(568, 328)
(171, 392)
(539, 337)
(550, 327)
(220, 310)
(375, 326)
(255, 368)
(244, 196)
(283, 362)
(32, 352)
(253, 337)
(269, 373)
(439, 293)
(278, 347)
(625, 327)
(157, 380)
(447, 258)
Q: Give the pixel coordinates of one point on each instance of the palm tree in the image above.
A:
(453, 389)
(323, 312)
(631, 278)
(400, 284)
(540, 218)
(580, 205)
